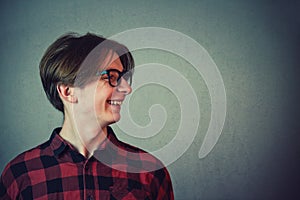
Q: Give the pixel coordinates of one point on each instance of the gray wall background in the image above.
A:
(255, 44)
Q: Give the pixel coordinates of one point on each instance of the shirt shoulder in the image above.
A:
(129, 151)
(34, 158)
(15, 174)
(28, 156)
(153, 175)
(134, 158)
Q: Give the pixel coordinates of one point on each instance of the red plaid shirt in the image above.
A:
(55, 170)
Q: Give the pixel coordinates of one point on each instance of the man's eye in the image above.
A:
(113, 77)
(104, 77)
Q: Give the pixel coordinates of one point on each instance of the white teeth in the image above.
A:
(114, 102)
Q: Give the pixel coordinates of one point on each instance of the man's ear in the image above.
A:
(66, 93)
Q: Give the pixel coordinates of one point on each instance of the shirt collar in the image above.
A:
(59, 145)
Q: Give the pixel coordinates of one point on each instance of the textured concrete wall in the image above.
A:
(255, 46)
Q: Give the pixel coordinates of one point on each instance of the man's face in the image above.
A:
(99, 100)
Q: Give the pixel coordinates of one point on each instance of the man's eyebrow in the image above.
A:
(114, 66)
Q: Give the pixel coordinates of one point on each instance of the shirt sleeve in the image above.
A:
(8, 185)
(161, 187)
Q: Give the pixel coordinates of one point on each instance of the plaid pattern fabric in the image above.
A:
(55, 170)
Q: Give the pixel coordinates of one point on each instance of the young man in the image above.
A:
(87, 78)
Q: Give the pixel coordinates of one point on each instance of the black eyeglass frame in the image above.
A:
(128, 77)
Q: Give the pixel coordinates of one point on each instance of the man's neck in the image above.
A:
(86, 138)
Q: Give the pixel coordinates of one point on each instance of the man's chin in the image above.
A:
(115, 118)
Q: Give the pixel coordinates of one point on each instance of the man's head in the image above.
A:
(62, 62)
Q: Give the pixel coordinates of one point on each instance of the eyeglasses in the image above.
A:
(114, 76)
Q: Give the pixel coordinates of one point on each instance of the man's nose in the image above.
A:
(124, 87)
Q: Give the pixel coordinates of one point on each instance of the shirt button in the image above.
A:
(90, 197)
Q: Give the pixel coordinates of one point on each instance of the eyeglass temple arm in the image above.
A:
(101, 73)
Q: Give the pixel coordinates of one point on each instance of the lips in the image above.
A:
(115, 102)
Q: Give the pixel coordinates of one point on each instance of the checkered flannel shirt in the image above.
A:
(55, 170)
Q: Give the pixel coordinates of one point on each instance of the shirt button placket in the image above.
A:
(85, 168)
(87, 171)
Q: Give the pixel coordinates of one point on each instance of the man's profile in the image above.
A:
(83, 159)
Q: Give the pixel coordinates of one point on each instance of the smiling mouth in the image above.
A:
(114, 102)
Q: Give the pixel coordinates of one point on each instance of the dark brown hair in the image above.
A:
(63, 60)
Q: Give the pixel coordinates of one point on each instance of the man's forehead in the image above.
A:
(112, 61)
